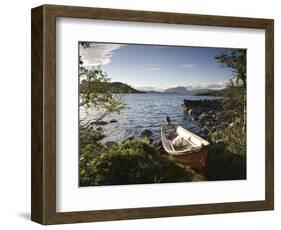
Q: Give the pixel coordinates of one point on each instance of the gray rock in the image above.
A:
(224, 124)
(203, 117)
(98, 137)
(158, 142)
(220, 115)
(205, 131)
(99, 128)
(214, 128)
(195, 111)
(195, 118)
(99, 123)
(146, 133)
(129, 138)
(109, 144)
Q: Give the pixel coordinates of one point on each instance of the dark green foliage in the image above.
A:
(89, 135)
(133, 162)
(224, 165)
(113, 87)
(235, 60)
(217, 93)
(234, 102)
(84, 45)
(235, 99)
(95, 81)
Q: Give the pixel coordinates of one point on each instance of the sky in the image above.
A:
(154, 67)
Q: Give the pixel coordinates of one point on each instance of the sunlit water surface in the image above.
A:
(144, 111)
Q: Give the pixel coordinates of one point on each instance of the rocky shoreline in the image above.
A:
(208, 115)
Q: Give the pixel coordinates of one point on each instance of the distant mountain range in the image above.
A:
(183, 90)
(178, 90)
(119, 87)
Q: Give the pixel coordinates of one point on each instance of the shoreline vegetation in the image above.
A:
(133, 161)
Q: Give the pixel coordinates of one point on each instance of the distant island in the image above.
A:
(113, 87)
(219, 93)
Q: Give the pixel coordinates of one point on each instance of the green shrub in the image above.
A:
(133, 162)
(224, 165)
(233, 138)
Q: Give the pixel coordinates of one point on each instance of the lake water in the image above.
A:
(145, 111)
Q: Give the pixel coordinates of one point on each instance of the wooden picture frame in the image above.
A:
(43, 208)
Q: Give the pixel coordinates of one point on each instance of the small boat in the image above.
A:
(179, 141)
(184, 146)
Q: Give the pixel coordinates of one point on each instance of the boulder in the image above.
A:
(224, 124)
(195, 111)
(220, 115)
(214, 128)
(205, 104)
(129, 138)
(97, 137)
(205, 131)
(109, 144)
(99, 123)
(207, 123)
(99, 129)
(146, 133)
(203, 117)
(158, 142)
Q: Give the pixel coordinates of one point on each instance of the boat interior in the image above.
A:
(176, 141)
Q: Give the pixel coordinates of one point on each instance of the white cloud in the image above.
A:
(150, 67)
(188, 66)
(147, 65)
(154, 69)
(148, 88)
(208, 85)
(192, 86)
(98, 54)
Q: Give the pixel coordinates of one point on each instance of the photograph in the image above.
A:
(151, 113)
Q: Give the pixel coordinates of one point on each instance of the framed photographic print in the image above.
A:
(140, 114)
